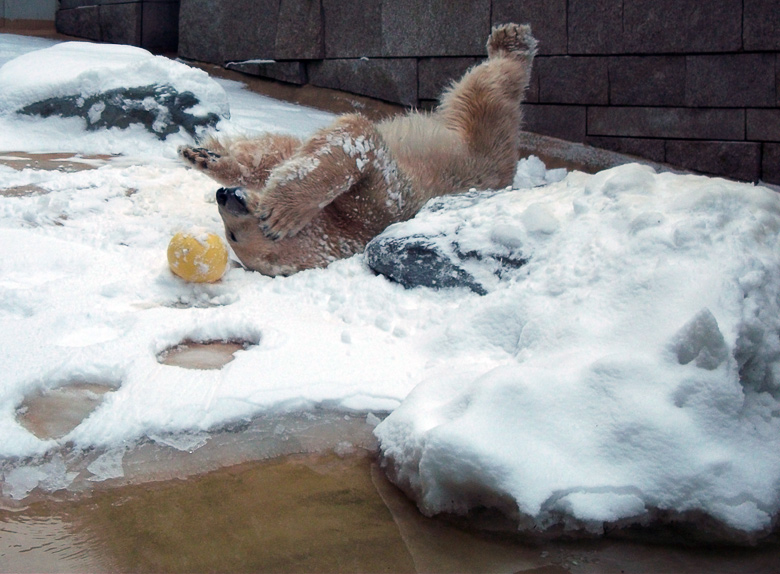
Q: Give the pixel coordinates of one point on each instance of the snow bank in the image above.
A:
(642, 371)
(86, 69)
(92, 86)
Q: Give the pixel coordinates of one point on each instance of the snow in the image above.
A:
(630, 371)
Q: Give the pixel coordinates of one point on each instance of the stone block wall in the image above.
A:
(691, 83)
(27, 10)
(151, 24)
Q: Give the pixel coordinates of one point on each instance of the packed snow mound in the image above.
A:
(642, 377)
(112, 86)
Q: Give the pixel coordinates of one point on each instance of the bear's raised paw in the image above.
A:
(200, 157)
(512, 40)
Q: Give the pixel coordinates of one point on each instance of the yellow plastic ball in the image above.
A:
(198, 257)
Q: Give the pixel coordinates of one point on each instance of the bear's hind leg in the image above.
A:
(484, 107)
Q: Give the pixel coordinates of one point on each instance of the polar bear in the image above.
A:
(290, 205)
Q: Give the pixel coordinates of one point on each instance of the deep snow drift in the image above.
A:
(628, 373)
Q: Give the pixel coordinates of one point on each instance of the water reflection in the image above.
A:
(306, 513)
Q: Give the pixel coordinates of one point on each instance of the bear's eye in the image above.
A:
(233, 237)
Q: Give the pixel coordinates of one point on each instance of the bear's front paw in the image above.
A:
(280, 219)
(512, 40)
(200, 157)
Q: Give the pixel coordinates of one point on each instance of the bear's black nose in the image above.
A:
(232, 199)
(222, 195)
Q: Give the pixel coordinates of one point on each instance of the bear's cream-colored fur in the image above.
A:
(293, 205)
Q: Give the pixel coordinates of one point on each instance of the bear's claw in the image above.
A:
(198, 156)
(512, 39)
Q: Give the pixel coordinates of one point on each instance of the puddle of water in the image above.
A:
(30, 543)
(207, 355)
(307, 513)
(56, 412)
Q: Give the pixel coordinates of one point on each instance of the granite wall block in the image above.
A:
(559, 121)
(730, 80)
(121, 23)
(647, 81)
(573, 80)
(595, 27)
(738, 160)
(200, 22)
(763, 125)
(411, 28)
(682, 123)
(83, 22)
(393, 80)
(770, 163)
(299, 30)
(653, 26)
(353, 28)
(652, 149)
(761, 25)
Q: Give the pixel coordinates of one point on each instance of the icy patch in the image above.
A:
(108, 465)
(186, 442)
(49, 476)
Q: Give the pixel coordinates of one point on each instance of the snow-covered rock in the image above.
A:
(112, 86)
(436, 248)
(442, 246)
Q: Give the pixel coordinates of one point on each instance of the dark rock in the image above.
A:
(122, 107)
(69, 4)
(547, 19)
(437, 258)
(219, 31)
(417, 262)
(248, 29)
